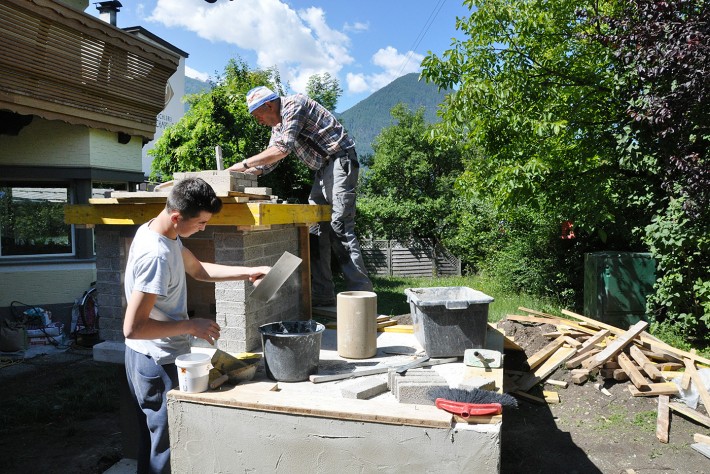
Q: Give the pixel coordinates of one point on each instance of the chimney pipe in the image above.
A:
(108, 10)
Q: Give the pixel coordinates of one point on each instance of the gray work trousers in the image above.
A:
(335, 184)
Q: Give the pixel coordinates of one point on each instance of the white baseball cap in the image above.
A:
(258, 96)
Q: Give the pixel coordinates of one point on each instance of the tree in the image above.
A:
(537, 98)
(216, 117)
(324, 89)
(664, 49)
(408, 189)
(220, 117)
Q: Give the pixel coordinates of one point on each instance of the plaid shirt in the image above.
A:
(309, 130)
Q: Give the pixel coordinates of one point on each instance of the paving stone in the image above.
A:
(363, 388)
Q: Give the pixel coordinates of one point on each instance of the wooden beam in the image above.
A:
(697, 380)
(550, 365)
(578, 359)
(663, 418)
(540, 356)
(694, 415)
(645, 364)
(617, 346)
(634, 374)
(654, 389)
(532, 319)
(236, 214)
(648, 340)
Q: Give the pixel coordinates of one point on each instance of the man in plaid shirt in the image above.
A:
(306, 128)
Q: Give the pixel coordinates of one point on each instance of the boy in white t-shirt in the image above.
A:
(156, 325)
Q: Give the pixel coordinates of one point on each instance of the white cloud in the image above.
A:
(356, 27)
(189, 72)
(357, 83)
(394, 65)
(299, 43)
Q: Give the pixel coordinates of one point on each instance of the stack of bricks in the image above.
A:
(222, 181)
(225, 302)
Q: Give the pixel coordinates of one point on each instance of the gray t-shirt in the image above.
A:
(155, 266)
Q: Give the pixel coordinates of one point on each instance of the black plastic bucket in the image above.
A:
(291, 349)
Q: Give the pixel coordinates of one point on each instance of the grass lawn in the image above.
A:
(392, 301)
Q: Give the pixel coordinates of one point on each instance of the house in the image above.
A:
(79, 99)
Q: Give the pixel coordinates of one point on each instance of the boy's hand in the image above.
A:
(257, 273)
(205, 329)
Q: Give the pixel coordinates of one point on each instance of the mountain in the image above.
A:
(195, 86)
(366, 119)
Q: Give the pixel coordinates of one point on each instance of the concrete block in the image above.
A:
(413, 375)
(417, 393)
(109, 351)
(363, 388)
(221, 181)
(261, 191)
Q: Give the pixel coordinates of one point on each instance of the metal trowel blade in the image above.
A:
(276, 277)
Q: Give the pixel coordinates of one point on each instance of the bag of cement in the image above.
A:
(691, 396)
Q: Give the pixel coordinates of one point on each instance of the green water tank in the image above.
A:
(616, 285)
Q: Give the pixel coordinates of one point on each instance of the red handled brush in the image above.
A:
(473, 402)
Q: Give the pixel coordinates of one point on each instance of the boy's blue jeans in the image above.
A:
(149, 383)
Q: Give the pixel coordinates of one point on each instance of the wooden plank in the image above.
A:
(694, 415)
(551, 397)
(248, 214)
(508, 343)
(384, 324)
(645, 364)
(550, 365)
(559, 383)
(617, 346)
(530, 398)
(654, 389)
(540, 356)
(634, 374)
(701, 438)
(590, 343)
(699, 385)
(648, 340)
(400, 328)
(663, 418)
(532, 319)
(480, 420)
(572, 342)
(324, 407)
(578, 359)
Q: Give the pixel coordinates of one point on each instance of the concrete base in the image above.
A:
(224, 439)
(266, 426)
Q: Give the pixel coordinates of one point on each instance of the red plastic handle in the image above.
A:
(464, 410)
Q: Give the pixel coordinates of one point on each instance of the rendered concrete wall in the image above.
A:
(106, 152)
(45, 284)
(46, 143)
(206, 438)
(225, 302)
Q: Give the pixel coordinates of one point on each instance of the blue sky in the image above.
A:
(366, 44)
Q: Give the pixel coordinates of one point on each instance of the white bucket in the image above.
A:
(193, 371)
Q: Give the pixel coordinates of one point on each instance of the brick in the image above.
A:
(363, 388)
(416, 393)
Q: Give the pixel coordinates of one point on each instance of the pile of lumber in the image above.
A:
(591, 349)
(384, 323)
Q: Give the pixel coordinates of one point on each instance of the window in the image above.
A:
(32, 222)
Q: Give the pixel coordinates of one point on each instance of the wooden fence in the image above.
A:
(412, 259)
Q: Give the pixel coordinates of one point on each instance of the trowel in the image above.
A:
(276, 277)
(485, 358)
